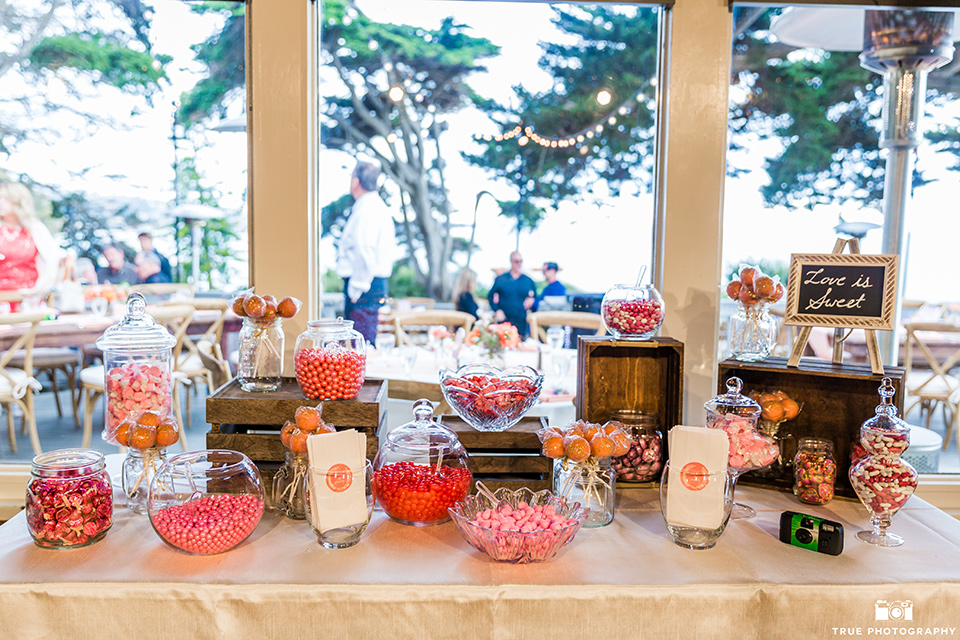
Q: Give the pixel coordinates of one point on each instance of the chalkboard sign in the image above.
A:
(842, 290)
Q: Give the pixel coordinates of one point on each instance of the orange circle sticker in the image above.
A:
(694, 476)
(339, 478)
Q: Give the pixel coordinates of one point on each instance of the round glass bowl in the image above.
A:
(206, 502)
(475, 518)
(632, 312)
(489, 398)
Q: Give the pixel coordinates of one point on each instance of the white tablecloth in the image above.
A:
(627, 580)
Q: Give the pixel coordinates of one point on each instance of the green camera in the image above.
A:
(811, 532)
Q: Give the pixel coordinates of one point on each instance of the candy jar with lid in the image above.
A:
(138, 388)
(882, 479)
(814, 471)
(421, 470)
(644, 461)
(330, 360)
(632, 312)
(206, 502)
(69, 499)
(737, 415)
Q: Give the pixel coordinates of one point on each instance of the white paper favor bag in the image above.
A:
(693, 499)
(337, 462)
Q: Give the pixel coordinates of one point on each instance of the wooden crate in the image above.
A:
(639, 375)
(509, 458)
(250, 422)
(834, 399)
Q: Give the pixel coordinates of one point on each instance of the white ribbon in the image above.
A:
(20, 389)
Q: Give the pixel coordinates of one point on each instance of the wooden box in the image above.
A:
(834, 400)
(250, 422)
(639, 375)
(509, 458)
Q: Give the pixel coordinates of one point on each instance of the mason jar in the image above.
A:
(330, 360)
(814, 471)
(260, 363)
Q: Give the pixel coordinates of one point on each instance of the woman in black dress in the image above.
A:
(463, 292)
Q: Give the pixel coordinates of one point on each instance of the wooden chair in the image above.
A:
(417, 304)
(176, 318)
(539, 320)
(201, 358)
(50, 360)
(17, 385)
(405, 324)
(928, 388)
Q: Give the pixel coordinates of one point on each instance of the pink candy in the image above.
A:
(211, 524)
(524, 518)
(642, 462)
(134, 388)
(748, 449)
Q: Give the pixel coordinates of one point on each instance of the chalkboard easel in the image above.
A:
(873, 347)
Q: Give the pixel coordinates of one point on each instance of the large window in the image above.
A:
(499, 126)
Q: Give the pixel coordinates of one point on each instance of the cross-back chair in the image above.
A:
(937, 385)
(413, 322)
(18, 385)
(540, 320)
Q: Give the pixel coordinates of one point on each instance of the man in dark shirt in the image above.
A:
(554, 287)
(118, 270)
(512, 295)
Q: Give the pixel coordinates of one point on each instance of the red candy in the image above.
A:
(420, 493)
(211, 524)
(330, 374)
(632, 317)
(69, 513)
(132, 389)
(489, 399)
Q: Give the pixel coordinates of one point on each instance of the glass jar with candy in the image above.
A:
(644, 461)
(421, 470)
(632, 312)
(330, 360)
(814, 471)
(882, 479)
(69, 500)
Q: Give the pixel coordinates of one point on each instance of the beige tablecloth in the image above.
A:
(626, 580)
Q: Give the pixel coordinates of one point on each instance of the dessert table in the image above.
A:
(626, 580)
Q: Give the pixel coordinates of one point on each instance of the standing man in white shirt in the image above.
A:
(367, 251)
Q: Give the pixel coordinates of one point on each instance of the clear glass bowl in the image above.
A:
(632, 312)
(515, 546)
(489, 398)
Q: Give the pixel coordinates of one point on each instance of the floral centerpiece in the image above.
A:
(109, 292)
(494, 339)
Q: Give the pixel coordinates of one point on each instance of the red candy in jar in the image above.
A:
(69, 498)
(632, 312)
(330, 360)
(814, 471)
(421, 470)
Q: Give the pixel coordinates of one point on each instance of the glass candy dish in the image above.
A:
(517, 547)
(489, 398)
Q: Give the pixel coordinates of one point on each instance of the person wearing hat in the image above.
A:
(554, 287)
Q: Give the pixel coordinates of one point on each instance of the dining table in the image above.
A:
(625, 580)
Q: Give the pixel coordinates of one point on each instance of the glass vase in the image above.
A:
(592, 483)
(288, 485)
(139, 468)
(260, 364)
(751, 332)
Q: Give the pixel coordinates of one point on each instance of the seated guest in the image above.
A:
(149, 268)
(146, 244)
(29, 256)
(118, 270)
(463, 292)
(554, 287)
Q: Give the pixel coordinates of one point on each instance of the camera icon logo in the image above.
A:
(894, 610)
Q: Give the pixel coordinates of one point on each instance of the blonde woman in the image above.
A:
(29, 257)
(463, 292)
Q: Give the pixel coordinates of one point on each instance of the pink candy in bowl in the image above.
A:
(520, 526)
(488, 398)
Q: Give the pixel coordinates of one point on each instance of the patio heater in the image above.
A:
(903, 46)
(195, 216)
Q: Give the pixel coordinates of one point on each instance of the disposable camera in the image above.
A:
(811, 532)
(894, 610)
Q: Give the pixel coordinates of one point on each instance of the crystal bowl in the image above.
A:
(515, 546)
(488, 398)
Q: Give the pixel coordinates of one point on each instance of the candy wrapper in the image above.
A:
(752, 286)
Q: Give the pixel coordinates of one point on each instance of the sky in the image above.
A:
(136, 163)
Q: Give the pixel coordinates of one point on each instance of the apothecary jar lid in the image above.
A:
(136, 331)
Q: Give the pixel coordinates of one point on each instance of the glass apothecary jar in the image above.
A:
(69, 501)
(644, 461)
(331, 360)
(206, 502)
(751, 332)
(138, 357)
(421, 470)
(882, 479)
(593, 484)
(288, 485)
(260, 359)
(814, 471)
(632, 312)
